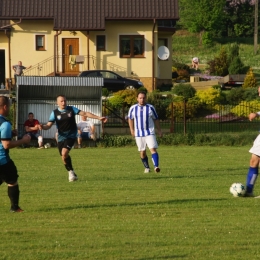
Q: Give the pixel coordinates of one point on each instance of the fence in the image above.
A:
(181, 117)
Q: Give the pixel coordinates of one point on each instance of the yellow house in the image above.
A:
(64, 37)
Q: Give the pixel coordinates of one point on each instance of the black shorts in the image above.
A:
(8, 173)
(68, 144)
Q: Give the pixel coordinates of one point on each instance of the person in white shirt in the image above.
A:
(195, 63)
(86, 130)
(141, 118)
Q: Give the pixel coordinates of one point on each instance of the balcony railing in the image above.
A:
(46, 67)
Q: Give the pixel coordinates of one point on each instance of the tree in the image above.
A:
(250, 80)
(202, 16)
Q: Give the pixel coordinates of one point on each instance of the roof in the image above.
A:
(4, 24)
(29, 87)
(88, 14)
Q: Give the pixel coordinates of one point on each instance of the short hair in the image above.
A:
(4, 100)
(141, 92)
(31, 113)
(60, 96)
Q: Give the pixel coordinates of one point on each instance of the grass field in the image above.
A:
(115, 211)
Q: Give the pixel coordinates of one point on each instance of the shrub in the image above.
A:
(184, 90)
(250, 80)
(105, 92)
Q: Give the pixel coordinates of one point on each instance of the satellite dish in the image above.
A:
(163, 53)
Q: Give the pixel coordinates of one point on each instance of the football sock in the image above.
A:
(13, 194)
(251, 179)
(68, 164)
(145, 162)
(155, 158)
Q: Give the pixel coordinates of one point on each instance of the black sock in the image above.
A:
(68, 164)
(13, 194)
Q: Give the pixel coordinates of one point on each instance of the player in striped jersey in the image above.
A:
(142, 118)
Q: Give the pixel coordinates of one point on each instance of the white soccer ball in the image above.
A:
(47, 145)
(237, 190)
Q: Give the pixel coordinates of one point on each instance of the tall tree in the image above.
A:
(202, 16)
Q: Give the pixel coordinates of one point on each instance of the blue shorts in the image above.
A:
(33, 136)
(84, 135)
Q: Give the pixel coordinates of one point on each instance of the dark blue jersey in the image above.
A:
(65, 122)
(5, 134)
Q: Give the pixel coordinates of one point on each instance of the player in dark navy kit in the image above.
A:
(64, 116)
(8, 171)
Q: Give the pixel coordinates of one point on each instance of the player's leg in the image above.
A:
(40, 141)
(10, 177)
(253, 169)
(141, 144)
(79, 138)
(64, 149)
(252, 174)
(153, 145)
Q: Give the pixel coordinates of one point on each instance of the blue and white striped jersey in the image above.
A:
(143, 117)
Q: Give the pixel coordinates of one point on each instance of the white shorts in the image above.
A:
(149, 140)
(256, 146)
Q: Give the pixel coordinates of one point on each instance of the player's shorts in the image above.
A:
(256, 146)
(67, 144)
(84, 135)
(149, 140)
(8, 173)
(33, 136)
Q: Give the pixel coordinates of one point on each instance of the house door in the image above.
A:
(2, 67)
(70, 47)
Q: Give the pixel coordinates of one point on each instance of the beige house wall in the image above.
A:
(4, 46)
(23, 46)
(23, 49)
(126, 67)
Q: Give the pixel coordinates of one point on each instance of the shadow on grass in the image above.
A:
(164, 257)
(122, 204)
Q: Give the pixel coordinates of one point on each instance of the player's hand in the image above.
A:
(103, 119)
(26, 138)
(40, 126)
(252, 116)
(132, 133)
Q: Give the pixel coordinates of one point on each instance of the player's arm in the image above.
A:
(131, 126)
(46, 126)
(8, 144)
(252, 116)
(90, 115)
(158, 127)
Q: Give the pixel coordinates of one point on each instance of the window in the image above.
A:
(132, 46)
(101, 42)
(40, 42)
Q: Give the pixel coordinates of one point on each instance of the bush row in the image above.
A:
(212, 139)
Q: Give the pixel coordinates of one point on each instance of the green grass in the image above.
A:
(115, 211)
(186, 45)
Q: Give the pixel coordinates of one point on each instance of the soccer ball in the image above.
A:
(237, 190)
(47, 145)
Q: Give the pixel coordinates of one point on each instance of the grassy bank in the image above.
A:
(186, 45)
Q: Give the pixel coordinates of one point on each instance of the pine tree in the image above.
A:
(250, 80)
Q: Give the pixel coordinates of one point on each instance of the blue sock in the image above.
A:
(251, 179)
(145, 162)
(155, 158)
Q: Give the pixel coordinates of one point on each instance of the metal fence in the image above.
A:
(181, 117)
